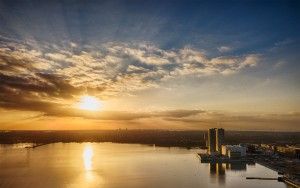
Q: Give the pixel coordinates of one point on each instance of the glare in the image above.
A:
(89, 103)
(88, 157)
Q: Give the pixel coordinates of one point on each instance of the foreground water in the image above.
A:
(110, 165)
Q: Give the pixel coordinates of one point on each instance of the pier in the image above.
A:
(260, 178)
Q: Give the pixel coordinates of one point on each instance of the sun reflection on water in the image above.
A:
(87, 155)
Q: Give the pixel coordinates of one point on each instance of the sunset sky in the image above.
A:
(179, 65)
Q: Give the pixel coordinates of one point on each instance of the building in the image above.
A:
(234, 151)
(234, 154)
(205, 139)
(288, 151)
(224, 150)
(211, 141)
(215, 140)
(220, 137)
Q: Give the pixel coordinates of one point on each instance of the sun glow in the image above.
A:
(87, 157)
(89, 103)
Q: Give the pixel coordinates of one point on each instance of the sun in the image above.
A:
(89, 103)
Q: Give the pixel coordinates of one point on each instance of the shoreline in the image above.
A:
(285, 179)
(289, 180)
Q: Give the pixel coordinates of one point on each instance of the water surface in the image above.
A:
(110, 165)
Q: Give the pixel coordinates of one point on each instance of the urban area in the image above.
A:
(285, 159)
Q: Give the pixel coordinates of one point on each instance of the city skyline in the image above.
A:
(178, 65)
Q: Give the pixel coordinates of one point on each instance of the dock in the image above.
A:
(261, 178)
(290, 182)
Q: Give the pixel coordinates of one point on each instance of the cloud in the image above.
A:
(123, 115)
(224, 49)
(171, 119)
(194, 119)
(56, 56)
(266, 122)
(279, 65)
(58, 74)
(210, 116)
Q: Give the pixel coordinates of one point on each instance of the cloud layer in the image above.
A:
(47, 79)
(36, 75)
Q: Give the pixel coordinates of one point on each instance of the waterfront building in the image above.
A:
(215, 140)
(234, 151)
(211, 141)
(224, 150)
(220, 137)
(288, 151)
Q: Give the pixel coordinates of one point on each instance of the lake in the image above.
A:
(111, 165)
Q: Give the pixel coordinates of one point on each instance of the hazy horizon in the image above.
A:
(173, 65)
(143, 129)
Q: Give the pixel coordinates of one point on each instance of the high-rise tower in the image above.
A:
(220, 136)
(215, 140)
(211, 140)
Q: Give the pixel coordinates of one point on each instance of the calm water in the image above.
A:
(109, 165)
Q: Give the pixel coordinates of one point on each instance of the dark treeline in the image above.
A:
(157, 137)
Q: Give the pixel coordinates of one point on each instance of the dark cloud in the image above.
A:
(266, 122)
(180, 113)
(121, 115)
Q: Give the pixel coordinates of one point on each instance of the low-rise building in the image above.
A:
(233, 151)
(289, 151)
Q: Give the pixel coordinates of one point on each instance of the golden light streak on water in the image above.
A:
(87, 155)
